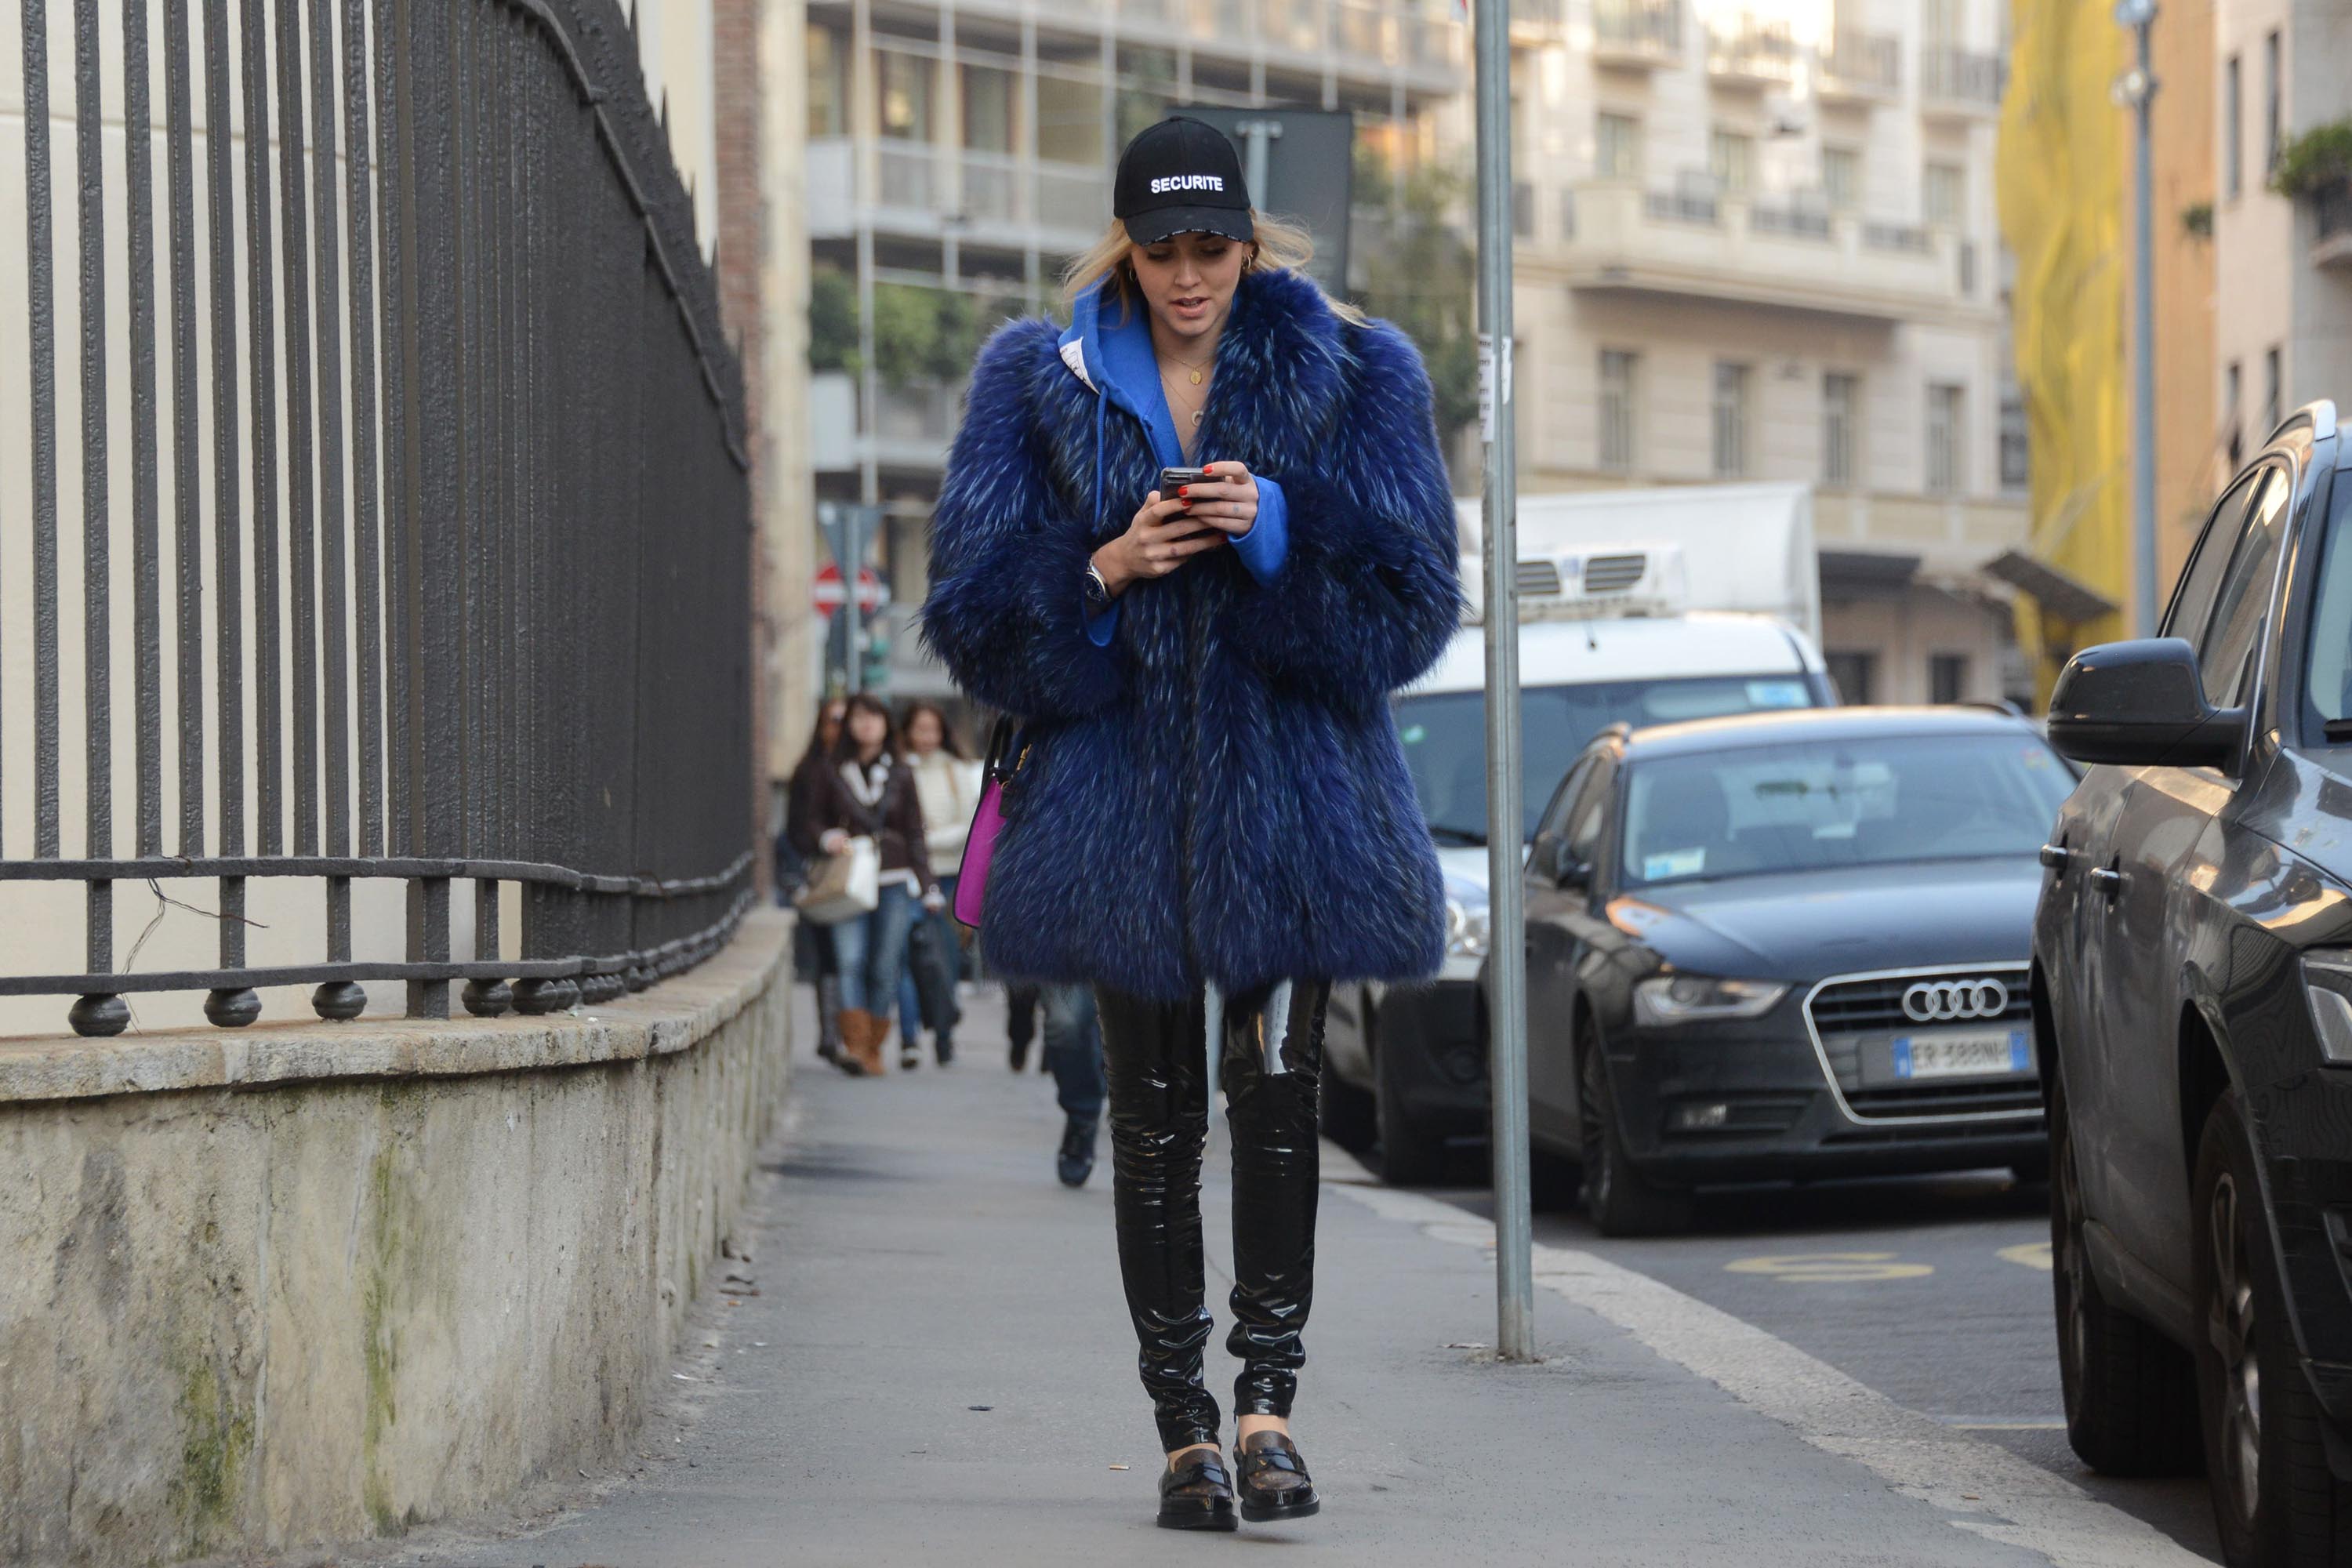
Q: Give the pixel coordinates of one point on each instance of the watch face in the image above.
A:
(1097, 596)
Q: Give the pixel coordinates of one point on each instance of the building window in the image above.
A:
(1841, 407)
(2233, 390)
(1618, 383)
(1617, 147)
(1842, 178)
(2271, 107)
(1730, 421)
(1523, 210)
(906, 87)
(987, 99)
(1948, 677)
(828, 83)
(1855, 676)
(2016, 446)
(1069, 119)
(2233, 131)
(1940, 194)
(1943, 440)
(2272, 392)
(1731, 159)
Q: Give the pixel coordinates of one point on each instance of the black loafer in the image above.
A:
(1197, 1494)
(1274, 1483)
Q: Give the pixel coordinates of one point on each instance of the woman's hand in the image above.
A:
(833, 842)
(1163, 537)
(1226, 500)
(934, 901)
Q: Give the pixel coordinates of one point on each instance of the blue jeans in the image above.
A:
(871, 950)
(1074, 1049)
(943, 938)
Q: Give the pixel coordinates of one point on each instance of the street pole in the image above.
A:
(1506, 955)
(2137, 88)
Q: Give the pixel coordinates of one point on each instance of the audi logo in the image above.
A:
(1950, 1001)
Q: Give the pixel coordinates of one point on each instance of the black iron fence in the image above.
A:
(402, 395)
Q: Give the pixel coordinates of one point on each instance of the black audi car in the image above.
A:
(1779, 947)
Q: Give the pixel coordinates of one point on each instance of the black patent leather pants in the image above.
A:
(1154, 1058)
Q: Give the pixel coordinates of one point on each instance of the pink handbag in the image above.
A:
(987, 820)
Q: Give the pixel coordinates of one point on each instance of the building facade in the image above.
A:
(1761, 245)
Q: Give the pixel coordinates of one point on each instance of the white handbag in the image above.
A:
(844, 887)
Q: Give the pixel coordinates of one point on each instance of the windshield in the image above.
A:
(1445, 735)
(1810, 806)
(2328, 679)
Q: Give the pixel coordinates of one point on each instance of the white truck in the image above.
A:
(1635, 607)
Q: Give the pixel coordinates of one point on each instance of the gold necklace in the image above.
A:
(1192, 368)
(1169, 389)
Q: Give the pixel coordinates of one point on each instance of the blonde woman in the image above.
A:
(1212, 821)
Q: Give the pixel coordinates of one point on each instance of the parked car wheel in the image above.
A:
(2130, 1394)
(2274, 1498)
(1346, 1111)
(1410, 1156)
(1619, 1198)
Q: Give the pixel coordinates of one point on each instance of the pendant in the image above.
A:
(1196, 416)
(1196, 378)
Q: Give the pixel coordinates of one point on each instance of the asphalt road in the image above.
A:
(1933, 1290)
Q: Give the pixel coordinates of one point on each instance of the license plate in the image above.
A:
(1957, 1055)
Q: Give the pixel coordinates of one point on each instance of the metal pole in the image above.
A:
(1507, 957)
(2144, 343)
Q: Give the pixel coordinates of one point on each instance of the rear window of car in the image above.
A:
(1445, 735)
(1856, 801)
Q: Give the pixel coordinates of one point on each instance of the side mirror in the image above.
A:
(2141, 704)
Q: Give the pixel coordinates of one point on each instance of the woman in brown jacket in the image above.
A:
(869, 793)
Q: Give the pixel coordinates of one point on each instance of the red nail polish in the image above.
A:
(1183, 489)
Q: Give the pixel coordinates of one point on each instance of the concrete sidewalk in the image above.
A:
(937, 1368)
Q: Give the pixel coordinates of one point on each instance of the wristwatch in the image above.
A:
(1097, 592)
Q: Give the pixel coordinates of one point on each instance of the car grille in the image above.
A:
(1538, 579)
(1846, 1014)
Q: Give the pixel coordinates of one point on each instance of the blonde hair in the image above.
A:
(1283, 245)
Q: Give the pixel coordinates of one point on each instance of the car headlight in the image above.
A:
(1467, 926)
(1697, 998)
(2327, 990)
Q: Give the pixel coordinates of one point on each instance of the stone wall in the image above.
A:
(310, 1283)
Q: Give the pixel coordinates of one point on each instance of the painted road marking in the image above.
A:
(2031, 1254)
(1995, 1493)
(1830, 1268)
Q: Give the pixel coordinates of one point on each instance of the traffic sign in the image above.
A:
(828, 593)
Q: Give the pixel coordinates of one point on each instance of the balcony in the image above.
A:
(1960, 84)
(1693, 244)
(1748, 51)
(1861, 67)
(1637, 34)
(912, 424)
(2331, 212)
(926, 191)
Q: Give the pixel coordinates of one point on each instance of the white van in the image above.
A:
(1603, 638)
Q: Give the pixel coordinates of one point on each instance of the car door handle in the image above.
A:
(2055, 857)
(2108, 879)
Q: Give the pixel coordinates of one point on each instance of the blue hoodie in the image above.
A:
(1116, 361)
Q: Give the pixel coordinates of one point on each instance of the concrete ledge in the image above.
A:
(305, 1283)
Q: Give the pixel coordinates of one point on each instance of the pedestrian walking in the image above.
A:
(947, 783)
(797, 846)
(1020, 1021)
(1211, 821)
(869, 793)
(1073, 1055)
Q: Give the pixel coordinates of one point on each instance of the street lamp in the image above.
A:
(2134, 89)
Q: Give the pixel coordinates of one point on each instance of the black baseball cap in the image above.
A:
(1182, 176)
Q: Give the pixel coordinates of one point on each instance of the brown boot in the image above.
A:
(846, 1055)
(861, 1039)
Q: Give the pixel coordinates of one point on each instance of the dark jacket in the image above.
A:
(895, 821)
(1219, 794)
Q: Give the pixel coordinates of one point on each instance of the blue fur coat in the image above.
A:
(1219, 795)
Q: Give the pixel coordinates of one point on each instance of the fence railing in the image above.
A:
(397, 376)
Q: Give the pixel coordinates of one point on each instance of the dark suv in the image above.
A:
(2192, 992)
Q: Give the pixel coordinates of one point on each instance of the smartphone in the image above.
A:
(1172, 479)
